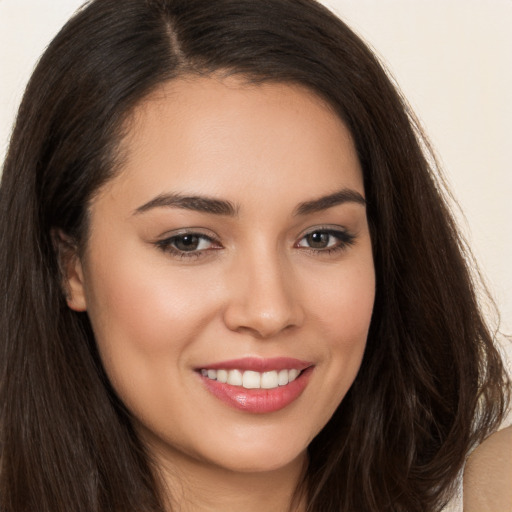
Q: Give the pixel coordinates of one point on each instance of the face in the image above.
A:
(228, 275)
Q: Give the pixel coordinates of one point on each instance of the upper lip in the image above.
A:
(258, 364)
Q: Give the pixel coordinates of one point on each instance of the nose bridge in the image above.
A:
(263, 298)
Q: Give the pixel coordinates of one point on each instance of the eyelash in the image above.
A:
(166, 245)
(345, 240)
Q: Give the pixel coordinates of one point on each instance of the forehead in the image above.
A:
(224, 136)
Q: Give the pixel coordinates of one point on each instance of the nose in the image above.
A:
(263, 297)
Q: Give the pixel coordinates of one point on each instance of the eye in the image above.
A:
(326, 240)
(187, 244)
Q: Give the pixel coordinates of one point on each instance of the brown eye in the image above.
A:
(186, 243)
(318, 240)
(326, 240)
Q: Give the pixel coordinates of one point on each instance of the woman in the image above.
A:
(229, 278)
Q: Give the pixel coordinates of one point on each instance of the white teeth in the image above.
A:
(293, 374)
(253, 380)
(235, 377)
(282, 378)
(269, 380)
(222, 375)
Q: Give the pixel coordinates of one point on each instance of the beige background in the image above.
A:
(453, 61)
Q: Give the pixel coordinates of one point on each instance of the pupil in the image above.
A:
(187, 242)
(318, 240)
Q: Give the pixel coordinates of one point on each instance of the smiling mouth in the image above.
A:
(257, 385)
(249, 379)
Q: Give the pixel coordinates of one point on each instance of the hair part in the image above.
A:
(431, 383)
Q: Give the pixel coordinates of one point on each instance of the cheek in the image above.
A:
(146, 322)
(344, 303)
(343, 310)
(140, 313)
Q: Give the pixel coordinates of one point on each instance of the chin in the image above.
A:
(258, 464)
(259, 458)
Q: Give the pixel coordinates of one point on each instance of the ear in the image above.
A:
(72, 275)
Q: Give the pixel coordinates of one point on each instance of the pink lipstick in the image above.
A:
(257, 385)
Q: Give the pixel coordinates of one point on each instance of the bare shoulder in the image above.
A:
(488, 475)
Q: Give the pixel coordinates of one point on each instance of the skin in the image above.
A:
(488, 475)
(255, 288)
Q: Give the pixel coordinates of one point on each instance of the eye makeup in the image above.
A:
(195, 244)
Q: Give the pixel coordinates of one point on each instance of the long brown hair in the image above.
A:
(431, 383)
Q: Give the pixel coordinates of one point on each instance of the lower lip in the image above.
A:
(259, 401)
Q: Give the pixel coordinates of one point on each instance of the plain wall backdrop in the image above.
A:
(452, 60)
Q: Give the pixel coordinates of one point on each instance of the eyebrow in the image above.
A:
(223, 207)
(197, 203)
(345, 195)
